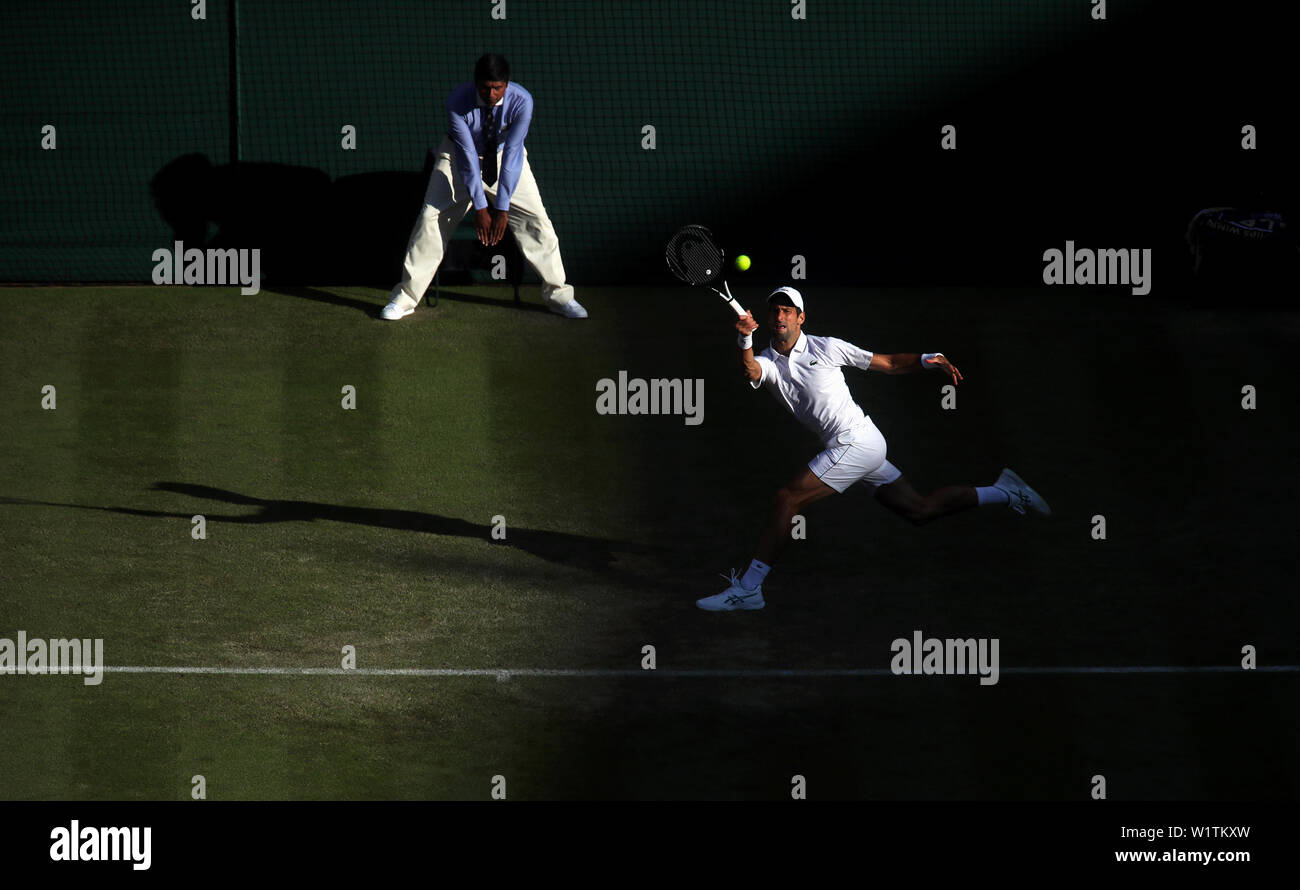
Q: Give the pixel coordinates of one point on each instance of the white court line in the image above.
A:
(738, 673)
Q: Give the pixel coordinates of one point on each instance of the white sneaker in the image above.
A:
(734, 598)
(1022, 496)
(399, 308)
(569, 309)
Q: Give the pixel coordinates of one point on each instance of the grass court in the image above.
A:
(372, 528)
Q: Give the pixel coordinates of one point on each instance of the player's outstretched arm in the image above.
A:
(911, 362)
(745, 326)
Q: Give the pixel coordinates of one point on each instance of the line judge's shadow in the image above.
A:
(559, 547)
(506, 301)
(311, 229)
(328, 297)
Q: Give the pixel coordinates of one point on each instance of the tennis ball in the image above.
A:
(742, 262)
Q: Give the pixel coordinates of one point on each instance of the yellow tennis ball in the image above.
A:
(742, 262)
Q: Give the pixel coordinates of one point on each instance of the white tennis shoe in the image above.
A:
(734, 598)
(569, 309)
(1023, 498)
(399, 308)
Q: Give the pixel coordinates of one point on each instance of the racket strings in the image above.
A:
(694, 257)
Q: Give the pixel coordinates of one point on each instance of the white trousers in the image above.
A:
(446, 201)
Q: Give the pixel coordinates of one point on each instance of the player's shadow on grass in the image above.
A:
(580, 551)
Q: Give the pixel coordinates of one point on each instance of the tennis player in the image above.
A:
(803, 373)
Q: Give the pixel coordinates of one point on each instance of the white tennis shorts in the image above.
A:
(855, 456)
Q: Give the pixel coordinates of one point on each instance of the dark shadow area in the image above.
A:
(350, 231)
(579, 551)
(1116, 143)
(369, 307)
(462, 297)
(372, 308)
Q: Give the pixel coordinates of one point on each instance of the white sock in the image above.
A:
(989, 494)
(754, 575)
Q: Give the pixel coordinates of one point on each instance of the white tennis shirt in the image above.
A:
(811, 385)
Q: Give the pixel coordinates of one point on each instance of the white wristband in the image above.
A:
(745, 341)
(928, 357)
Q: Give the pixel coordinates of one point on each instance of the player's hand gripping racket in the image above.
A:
(695, 258)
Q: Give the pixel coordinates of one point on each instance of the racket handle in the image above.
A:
(740, 310)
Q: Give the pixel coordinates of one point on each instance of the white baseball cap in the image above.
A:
(790, 294)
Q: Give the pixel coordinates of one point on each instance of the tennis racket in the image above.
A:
(695, 258)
